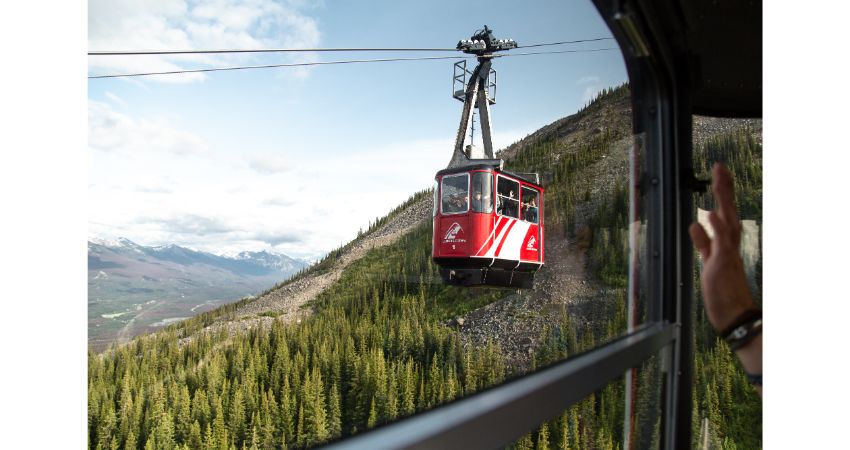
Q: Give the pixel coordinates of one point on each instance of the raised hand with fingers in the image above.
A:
(724, 283)
(728, 303)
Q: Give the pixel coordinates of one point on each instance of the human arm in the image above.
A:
(724, 283)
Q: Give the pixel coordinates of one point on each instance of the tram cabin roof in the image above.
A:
(488, 166)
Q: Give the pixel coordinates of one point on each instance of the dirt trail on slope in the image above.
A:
(287, 302)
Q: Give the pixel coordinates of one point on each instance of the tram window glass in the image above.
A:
(738, 147)
(626, 408)
(508, 201)
(530, 200)
(455, 194)
(482, 192)
(436, 197)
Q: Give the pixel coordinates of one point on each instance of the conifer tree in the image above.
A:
(201, 408)
(219, 430)
(299, 428)
(184, 417)
(130, 443)
(525, 443)
(236, 416)
(287, 418)
(543, 437)
(194, 441)
(334, 413)
(164, 431)
(575, 429)
(209, 438)
(373, 415)
(408, 389)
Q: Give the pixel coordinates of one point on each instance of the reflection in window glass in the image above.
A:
(727, 409)
(530, 200)
(455, 193)
(482, 192)
(507, 203)
(384, 341)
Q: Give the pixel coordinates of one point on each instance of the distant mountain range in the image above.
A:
(124, 253)
(134, 287)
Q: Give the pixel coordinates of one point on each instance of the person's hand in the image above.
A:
(724, 283)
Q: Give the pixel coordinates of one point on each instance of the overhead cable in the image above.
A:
(304, 50)
(269, 66)
(323, 63)
(589, 50)
(565, 42)
(266, 50)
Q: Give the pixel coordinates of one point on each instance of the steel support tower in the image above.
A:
(476, 95)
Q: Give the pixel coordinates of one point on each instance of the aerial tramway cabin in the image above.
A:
(488, 226)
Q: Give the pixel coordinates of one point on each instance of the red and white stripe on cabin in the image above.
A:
(511, 239)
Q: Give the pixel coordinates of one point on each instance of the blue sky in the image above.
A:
(296, 160)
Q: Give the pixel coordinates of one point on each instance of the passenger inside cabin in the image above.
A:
(459, 203)
(529, 206)
(480, 203)
(511, 207)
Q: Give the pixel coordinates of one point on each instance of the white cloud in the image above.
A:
(588, 79)
(590, 93)
(111, 131)
(219, 205)
(154, 189)
(184, 25)
(279, 201)
(268, 164)
(116, 99)
(592, 88)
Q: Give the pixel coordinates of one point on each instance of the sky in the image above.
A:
(297, 160)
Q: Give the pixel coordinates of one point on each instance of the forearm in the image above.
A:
(750, 357)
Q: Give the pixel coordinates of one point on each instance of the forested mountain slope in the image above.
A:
(369, 335)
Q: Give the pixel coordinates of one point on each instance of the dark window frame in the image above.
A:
(536, 191)
(472, 185)
(519, 189)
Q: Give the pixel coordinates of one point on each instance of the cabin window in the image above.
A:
(508, 197)
(482, 192)
(436, 196)
(455, 193)
(530, 204)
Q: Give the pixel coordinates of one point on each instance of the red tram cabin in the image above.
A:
(488, 227)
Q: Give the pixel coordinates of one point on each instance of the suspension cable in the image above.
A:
(323, 63)
(304, 50)
(269, 66)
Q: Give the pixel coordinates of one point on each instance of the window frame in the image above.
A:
(492, 203)
(522, 189)
(519, 189)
